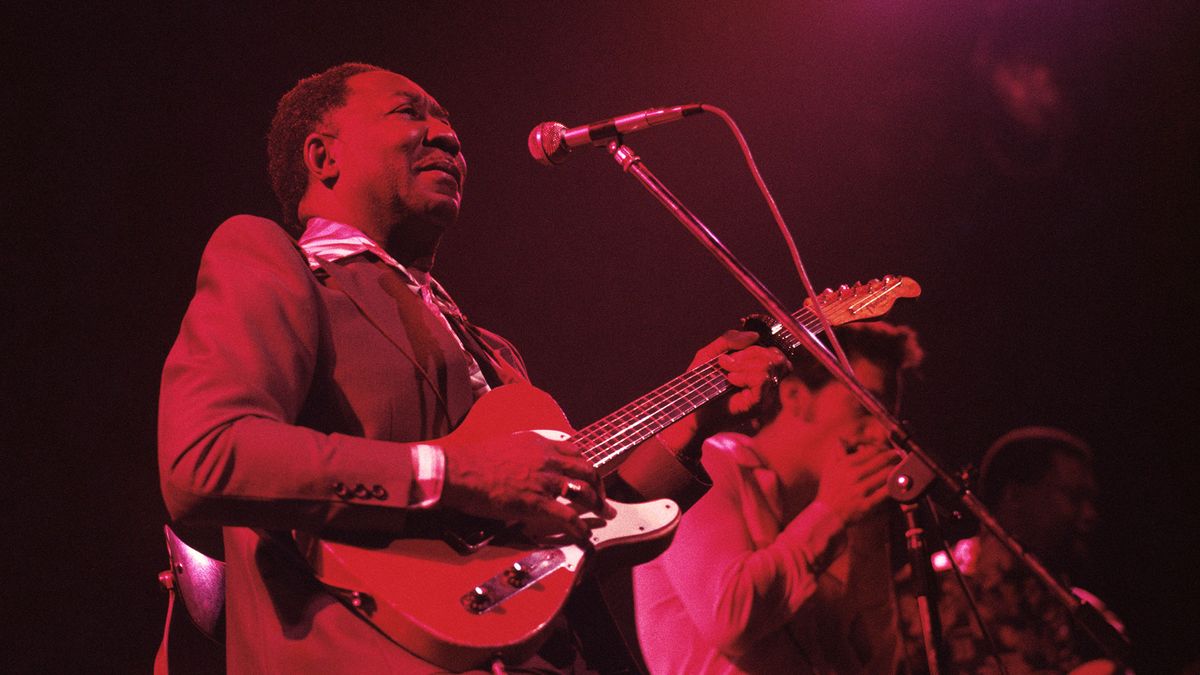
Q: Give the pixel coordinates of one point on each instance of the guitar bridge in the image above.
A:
(516, 578)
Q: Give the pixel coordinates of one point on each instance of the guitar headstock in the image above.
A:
(864, 300)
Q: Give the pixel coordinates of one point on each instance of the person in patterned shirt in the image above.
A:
(1039, 483)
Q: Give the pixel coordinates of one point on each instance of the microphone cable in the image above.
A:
(784, 232)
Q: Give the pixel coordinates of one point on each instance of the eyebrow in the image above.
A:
(435, 109)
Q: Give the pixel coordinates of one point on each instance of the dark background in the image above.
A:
(1032, 164)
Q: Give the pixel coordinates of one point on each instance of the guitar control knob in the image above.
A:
(478, 599)
(517, 575)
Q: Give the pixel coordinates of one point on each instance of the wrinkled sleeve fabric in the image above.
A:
(233, 386)
(734, 590)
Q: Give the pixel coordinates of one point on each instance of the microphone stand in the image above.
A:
(924, 587)
(914, 475)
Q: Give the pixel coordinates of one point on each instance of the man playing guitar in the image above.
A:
(320, 371)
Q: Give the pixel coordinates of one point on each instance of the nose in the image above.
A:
(440, 134)
(1089, 517)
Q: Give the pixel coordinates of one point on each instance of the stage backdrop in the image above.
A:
(1031, 164)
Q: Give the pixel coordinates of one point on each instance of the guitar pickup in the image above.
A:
(467, 535)
(514, 579)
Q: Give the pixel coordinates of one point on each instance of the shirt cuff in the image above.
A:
(429, 475)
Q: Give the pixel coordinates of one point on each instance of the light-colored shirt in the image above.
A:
(742, 589)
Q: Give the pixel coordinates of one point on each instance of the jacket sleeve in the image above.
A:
(735, 592)
(229, 449)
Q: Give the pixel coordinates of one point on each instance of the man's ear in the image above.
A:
(320, 158)
(794, 397)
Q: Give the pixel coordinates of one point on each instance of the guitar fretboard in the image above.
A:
(609, 437)
(606, 439)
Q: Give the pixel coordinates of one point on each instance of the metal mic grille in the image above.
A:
(545, 143)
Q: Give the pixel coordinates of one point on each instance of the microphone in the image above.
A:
(550, 142)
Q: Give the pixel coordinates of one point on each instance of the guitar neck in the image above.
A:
(608, 438)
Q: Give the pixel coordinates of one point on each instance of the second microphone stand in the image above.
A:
(913, 477)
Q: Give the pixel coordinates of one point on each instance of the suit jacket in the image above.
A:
(290, 401)
(284, 393)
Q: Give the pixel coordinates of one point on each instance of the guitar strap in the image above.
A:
(496, 369)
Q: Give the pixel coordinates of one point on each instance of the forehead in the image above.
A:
(1070, 470)
(871, 374)
(875, 378)
(380, 87)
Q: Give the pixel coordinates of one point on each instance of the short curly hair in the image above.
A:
(298, 114)
(893, 347)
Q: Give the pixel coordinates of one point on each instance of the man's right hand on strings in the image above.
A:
(521, 477)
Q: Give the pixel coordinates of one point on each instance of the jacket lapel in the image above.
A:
(360, 281)
(398, 314)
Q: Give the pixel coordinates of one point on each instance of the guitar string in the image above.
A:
(621, 442)
(662, 407)
(666, 400)
(670, 401)
(655, 406)
(649, 414)
(680, 384)
(665, 396)
(647, 420)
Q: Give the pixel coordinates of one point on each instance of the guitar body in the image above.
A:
(459, 609)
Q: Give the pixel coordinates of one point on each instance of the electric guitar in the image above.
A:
(483, 591)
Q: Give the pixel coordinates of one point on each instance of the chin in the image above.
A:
(442, 215)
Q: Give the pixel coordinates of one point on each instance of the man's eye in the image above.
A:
(407, 110)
